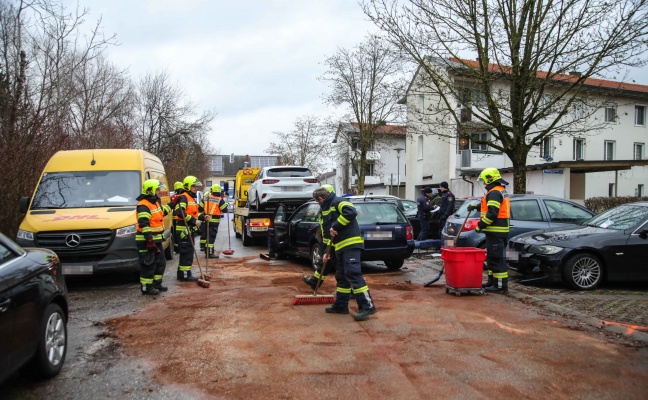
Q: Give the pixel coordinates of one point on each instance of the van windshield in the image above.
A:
(85, 189)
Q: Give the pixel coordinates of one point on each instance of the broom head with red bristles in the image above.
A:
(203, 283)
(228, 252)
(308, 299)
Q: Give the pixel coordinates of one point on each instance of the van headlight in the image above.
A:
(25, 235)
(126, 231)
(545, 249)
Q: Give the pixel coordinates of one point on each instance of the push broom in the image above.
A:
(229, 250)
(315, 298)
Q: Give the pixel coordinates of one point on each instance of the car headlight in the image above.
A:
(545, 249)
(25, 235)
(127, 230)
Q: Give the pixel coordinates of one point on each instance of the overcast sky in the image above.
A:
(253, 62)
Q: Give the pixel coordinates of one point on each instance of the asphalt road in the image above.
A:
(97, 368)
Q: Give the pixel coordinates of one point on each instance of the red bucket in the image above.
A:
(463, 266)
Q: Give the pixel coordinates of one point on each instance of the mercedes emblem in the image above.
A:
(72, 240)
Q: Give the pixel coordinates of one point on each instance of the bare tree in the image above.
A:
(167, 125)
(368, 80)
(40, 47)
(521, 86)
(308, 144)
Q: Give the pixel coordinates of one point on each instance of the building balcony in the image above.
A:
(373, 155)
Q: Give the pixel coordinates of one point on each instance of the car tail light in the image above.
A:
(269, 181)
(409, 234)
(471, 224)
(256, 222)
(311, 180)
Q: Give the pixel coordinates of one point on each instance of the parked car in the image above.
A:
(387, 234)
(432, 218)
(612, 246)
(403, 204)
(528, 212)
(273, 185)
(33, 310)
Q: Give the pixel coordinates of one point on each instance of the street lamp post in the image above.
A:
(398, 150)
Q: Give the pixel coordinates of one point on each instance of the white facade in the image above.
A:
(386, 164)
(433, 158)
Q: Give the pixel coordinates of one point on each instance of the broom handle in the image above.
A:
(320, 279)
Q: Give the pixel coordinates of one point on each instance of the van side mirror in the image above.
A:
(24, 204)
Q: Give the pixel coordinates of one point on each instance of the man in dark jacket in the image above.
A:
(423, 208)
(348, 243)
(446, 208)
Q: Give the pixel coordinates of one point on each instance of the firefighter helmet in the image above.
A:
(328, 187)
(177, 185)
(150, 186)
(190, 181)
(490, 175)
(215, 189)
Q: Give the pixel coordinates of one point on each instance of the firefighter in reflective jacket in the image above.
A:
(495, 216)
(325, 226)
(177, 189)
(348, 243)
(187, 223)
(212, 208)
(150, 236)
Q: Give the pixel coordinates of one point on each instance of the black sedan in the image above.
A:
(612, 246)
(33, 310)
(387, 234)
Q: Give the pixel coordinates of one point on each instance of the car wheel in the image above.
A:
(52, 343)
(316, 256)
(257, 203)
(394, 264)
(168, 252)
(247, 240)
(583, 271)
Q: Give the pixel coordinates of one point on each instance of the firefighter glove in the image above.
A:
(151, 246)
(472, 207)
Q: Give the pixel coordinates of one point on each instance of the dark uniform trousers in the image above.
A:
(154, 271)
(349, 278)
(213, 231)
(185, 249)
(496, 255)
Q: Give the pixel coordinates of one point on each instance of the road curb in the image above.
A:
(595, 322)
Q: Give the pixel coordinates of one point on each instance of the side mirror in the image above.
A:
(643, 234)
(24, 204)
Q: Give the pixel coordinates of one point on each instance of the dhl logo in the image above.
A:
(73, 217)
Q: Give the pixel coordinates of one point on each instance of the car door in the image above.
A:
(280, 229)
(294, 227)
(526, 215)
(636, 250)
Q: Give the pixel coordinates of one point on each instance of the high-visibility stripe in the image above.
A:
(344, 290)
(343, 221)
(184, 267)
(344, 204)
(144, 214)
(500, 275)
(349, 242)
(494, 203)
(363, 289)
(487, 221)
(146, 281)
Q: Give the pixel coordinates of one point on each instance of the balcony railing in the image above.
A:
(478, 159)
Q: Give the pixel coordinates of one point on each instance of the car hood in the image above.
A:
(79, 218)
(572, 233)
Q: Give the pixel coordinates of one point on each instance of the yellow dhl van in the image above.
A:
(84, 205)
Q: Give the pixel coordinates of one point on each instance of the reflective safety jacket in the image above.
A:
(213, 206)
(343, 215)
(187, 206)
(150, 218)
(495, 211)
(326, 221)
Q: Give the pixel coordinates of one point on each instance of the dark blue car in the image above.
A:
(387, 233)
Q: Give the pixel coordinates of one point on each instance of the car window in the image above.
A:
(288, 172)
(311, 213)
(300, 214)
(408, 204)
(620, 218)
(384, 213)
(463, 210)
(6, 254)
(561, 211)
(526, 210)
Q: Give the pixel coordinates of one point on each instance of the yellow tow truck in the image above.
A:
(248, 224)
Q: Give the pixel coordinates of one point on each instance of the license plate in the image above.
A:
(377, 235)
(292, 188)
(77, 269)
(258, 228)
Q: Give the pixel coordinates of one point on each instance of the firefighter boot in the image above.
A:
(185, 276)
(364, 313)
(499, 286)
(312, 281)
(489, 282)
(158, 285)
(149, 289)
(341, 305)
(212, 254)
